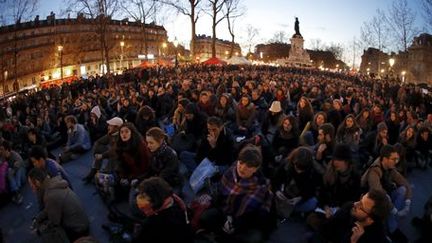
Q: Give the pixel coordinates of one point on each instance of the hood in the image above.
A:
(55, 183)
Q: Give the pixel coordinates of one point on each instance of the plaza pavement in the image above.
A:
(15, 220)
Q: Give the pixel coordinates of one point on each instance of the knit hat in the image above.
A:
(342, 152)
(275, 107)
(116, 121)
(96, 110)
(381, 126)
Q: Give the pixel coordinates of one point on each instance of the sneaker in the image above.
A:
(17, 198)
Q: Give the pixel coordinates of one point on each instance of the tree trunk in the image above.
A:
(214, 33)
(232, 45)
(193, 27)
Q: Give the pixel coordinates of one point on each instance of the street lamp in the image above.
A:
(121, 55)
(164, 46)
(175, 45)
(391, 63)
(403, 76)
(60, 50)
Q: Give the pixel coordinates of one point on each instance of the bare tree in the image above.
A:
(251, 35)
(15, 11)
(217, 15)
(427, 12)
(337, 49)
(317, 44)
(101, 11)
(141, 11)
(233, 11)
(192, 9)
(375, 33)
(279, 37)
(401, 20)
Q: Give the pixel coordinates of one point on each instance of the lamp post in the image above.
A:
(60, 50)
(121, 54)
(176, 45)
(403, 76)
(391, 63)
(5, 76)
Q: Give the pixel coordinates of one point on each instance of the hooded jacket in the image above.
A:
(62, 206)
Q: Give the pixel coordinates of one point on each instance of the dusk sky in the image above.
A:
(335, 21)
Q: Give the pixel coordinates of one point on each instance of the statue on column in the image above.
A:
(297, 26)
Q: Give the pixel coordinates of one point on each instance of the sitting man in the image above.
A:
(78, 141)
(16, 172)
(103, 149)
(62, 207)
(361, 221)
(242, 208)
(39, 159)
(382, 175)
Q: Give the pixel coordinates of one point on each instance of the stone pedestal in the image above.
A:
(298, 55)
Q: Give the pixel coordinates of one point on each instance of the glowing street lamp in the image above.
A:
(403, 76)
(391, 62)
(60, 50)
(122, 44)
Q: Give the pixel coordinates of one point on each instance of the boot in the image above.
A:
(90, 176)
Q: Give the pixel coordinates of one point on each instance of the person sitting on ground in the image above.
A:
(164, 162)
(146, 119)
(97, 124)
(286, 138)
(297, 181)
(217, 146)
(245, 116)
(341, 183)
(39, 159)
(241, 210)
(103, 149)
(382, 175)
(166, 214)
(78, 140)
(16, 171)
(62, 206)
(424, 147)
(325, 144)
(358, 222)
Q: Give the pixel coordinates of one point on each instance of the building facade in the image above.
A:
(203, 48)
(414, 65)
(45, 50)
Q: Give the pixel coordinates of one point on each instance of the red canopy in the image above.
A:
(146, 64)
(214, 61)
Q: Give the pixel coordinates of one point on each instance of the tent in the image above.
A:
(235, 60)
(146, 64)
(214, 61)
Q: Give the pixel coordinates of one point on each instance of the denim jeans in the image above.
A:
(398, 199)
(307, 206)
(17, 179)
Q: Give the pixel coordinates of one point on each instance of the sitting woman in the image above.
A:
(132, 154)
(166, 214)
(245, 117)
(287, 137)
(164, 162)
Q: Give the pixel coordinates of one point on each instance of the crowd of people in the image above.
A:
(222, 153)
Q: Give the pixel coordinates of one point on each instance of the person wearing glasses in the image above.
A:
(358, 222)
(383, 175)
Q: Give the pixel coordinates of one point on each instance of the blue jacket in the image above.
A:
(79, 137)
(54, 169)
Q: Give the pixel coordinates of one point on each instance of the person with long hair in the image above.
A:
(305, 112)
(164, 162)
(145, 119)
(287, 136)
(348, 132)
(133, 154)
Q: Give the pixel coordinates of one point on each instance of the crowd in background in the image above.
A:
(212, 152)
